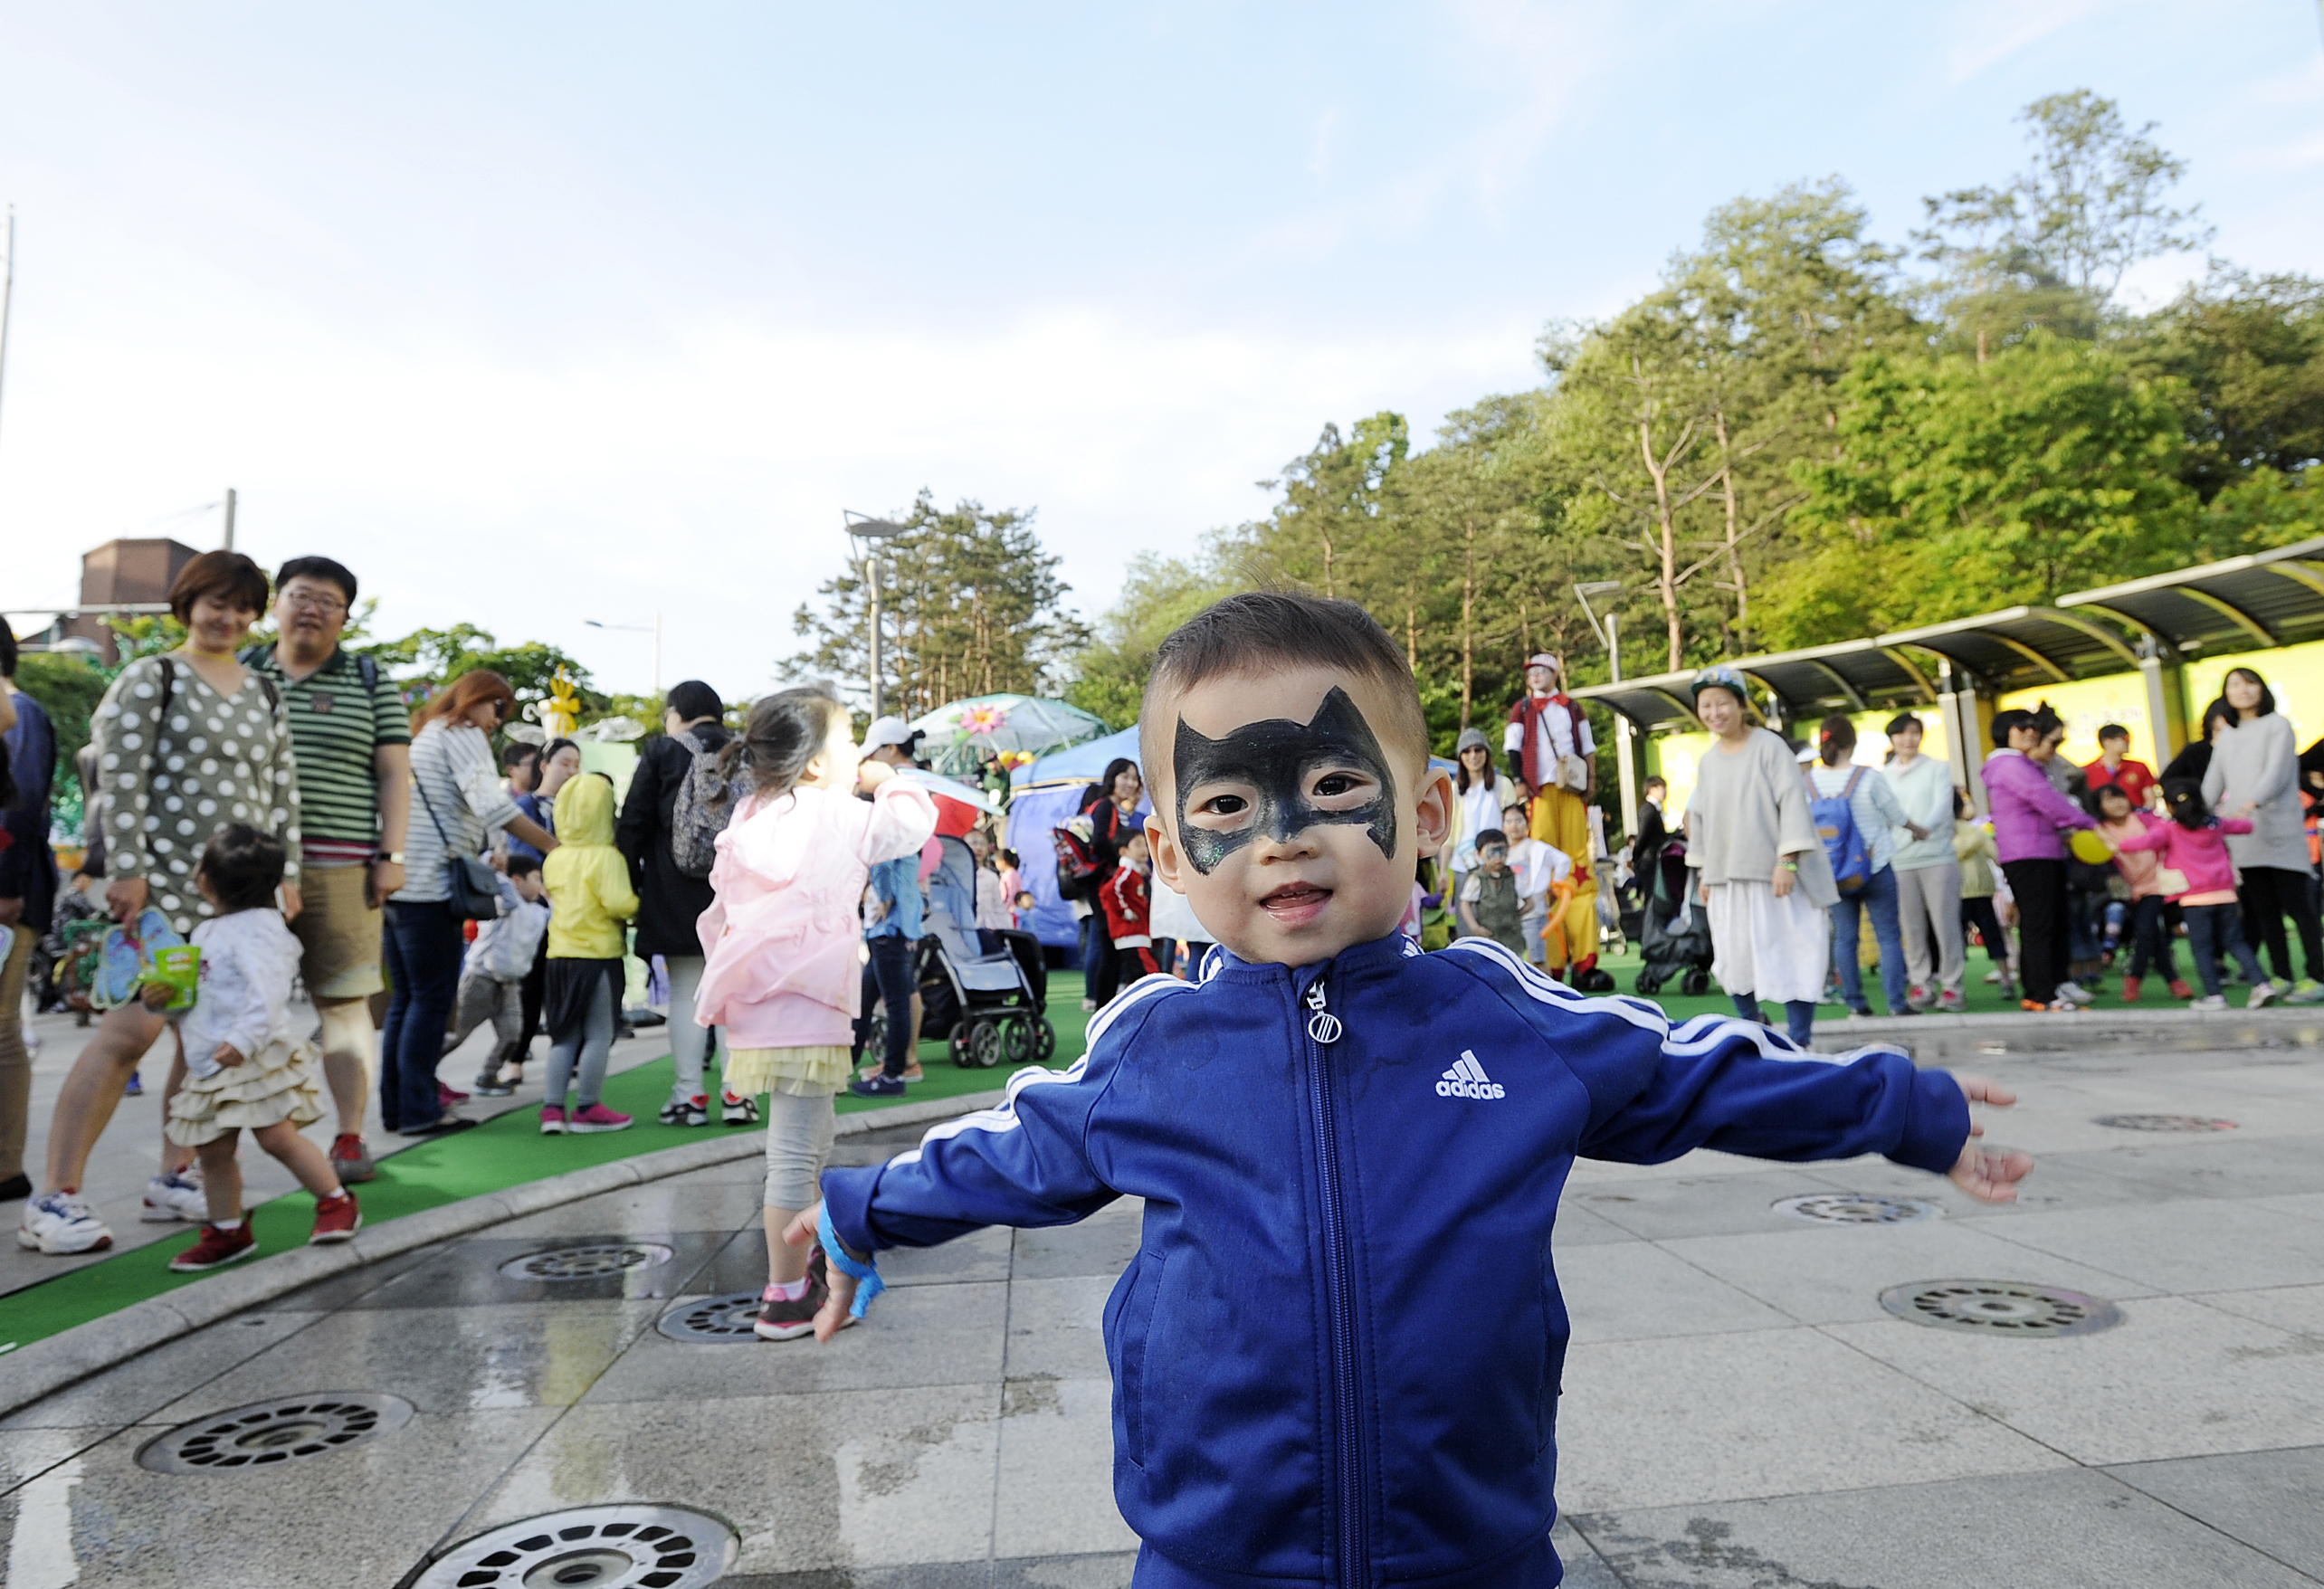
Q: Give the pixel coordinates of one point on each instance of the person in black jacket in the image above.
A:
(1111, 805)
(671, 902)
(27, 900)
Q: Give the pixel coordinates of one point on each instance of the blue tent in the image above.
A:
(1043, 795)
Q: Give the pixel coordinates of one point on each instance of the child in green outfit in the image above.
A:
(1489, 903)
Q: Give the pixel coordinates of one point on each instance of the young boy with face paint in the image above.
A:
(1336, 1358)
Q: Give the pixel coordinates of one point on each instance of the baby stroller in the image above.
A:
(989, 1007)
(1676, 942)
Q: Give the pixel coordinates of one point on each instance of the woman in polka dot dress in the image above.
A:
(186, 744)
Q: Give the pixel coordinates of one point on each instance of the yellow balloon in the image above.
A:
(2090, 847)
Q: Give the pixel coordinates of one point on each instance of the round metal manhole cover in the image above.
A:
(268, 1434)
(2166, 1123)
(2009, 1308)
(1858, 1208)
(590, 1547)
(716, 1321)
(593, 1262)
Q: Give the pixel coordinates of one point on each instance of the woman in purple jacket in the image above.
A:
(2029, 819)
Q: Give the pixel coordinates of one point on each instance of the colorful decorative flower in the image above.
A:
(984, 719)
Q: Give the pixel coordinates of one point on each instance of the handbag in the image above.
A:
(472, 888)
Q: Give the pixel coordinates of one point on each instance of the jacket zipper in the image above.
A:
(1323, 1029)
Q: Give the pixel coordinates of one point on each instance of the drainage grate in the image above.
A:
(2166, 1123)
(2000, 1306)
(593, 1262)
(267, 1435)
(590, 1547)
(713, 1322)
(1858, 1208)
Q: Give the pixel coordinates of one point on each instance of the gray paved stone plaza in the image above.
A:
(1740, 1409)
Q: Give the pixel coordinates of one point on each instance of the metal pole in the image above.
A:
(8, 292)
(230, 518)
(872, 573)
(657, 653)
(1624, 760)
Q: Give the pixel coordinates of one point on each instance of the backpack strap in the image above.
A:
(168, 668)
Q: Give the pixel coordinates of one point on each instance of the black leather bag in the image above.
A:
(472, 888)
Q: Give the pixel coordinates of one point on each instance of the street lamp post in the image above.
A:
(1609, 632)
(871, 530)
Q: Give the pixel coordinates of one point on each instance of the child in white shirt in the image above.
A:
(493, 975)
(244, 1067)
(1540, 869)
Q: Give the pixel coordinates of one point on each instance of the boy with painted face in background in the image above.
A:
(1336, 1358)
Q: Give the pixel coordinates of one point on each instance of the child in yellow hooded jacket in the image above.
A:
(590, 899)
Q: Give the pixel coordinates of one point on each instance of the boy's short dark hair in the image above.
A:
(518, 753)
(2113, 731)
(1493, 836)
(1264, 629)
(329, 568)
(522, 866)
(1655, 781)
(244, 866)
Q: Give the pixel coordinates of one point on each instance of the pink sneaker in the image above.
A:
(552, 1120)
(596, 1118)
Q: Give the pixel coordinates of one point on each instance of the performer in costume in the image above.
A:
(1548, 731)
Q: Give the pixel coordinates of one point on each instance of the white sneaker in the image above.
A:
(171, 1198)
(2266, 993)
(2075, 994)
(2210, 1002)
(56, 1222)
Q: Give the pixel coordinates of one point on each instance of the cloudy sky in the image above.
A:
(537, 313)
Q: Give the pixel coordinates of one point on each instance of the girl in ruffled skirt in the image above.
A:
(244, 1068)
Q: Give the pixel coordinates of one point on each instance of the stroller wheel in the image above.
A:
(1045, 1042)
(985, 1044)
(958, 1044)
(1695, 983)
(875, 1036)
(1648, 984)
(1016, 1039)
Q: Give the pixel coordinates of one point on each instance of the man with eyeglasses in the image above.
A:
(352, 735)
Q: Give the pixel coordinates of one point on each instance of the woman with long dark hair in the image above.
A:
(1479, 798)
(2255, 763)
(458, 802)
(1112, 804)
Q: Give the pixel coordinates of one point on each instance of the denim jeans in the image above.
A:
(2150, 939)
(1799, 1017)
(2212, 930)
(888, 979)
(1878, 895)
(424, 950)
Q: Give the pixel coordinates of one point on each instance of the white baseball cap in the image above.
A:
(889, 731)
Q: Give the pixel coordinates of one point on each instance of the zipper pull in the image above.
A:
(1323, 1026)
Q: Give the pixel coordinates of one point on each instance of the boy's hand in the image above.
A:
(155, 995)
(1989, 1178)
(229, 1055)
(832, 1318)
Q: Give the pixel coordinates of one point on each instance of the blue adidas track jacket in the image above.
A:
(1336, 1357)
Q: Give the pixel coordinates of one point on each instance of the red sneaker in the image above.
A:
(336, 1221)
(350, 1160)
(2180, 990)
(595, 1117)
(448, 1097)
(216, 1248)
(2131, 990)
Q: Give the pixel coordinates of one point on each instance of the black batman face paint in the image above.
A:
(1278, 760)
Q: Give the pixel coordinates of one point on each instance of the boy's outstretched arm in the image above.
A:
(1658, 1092)
(1026, 1164)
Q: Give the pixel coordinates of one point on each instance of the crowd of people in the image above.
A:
(2075, 872)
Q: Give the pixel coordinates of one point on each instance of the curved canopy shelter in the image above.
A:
(2265, 600)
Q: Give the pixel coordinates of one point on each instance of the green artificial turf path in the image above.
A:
(504, 1152)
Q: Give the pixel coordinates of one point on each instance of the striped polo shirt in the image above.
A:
(334, 729)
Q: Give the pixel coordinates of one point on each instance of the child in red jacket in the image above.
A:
(1126, 921)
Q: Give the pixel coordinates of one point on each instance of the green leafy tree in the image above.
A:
(425, 660)
(1961, 488)
(2248, 352)
(970, 603)
(1158, 594)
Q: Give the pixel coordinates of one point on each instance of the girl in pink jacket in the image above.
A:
(780, 943)
(2196, 871)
